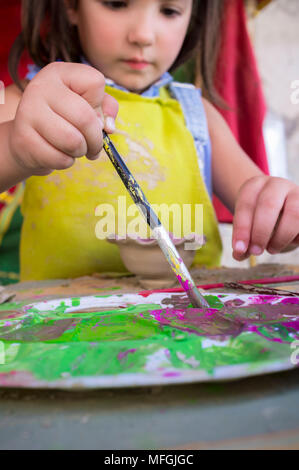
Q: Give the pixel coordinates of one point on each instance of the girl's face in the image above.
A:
(132, 42)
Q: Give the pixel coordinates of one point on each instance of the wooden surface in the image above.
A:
(260, 412)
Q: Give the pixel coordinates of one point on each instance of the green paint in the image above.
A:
(105, 289)
(12, 306)
(55, 344)
(276, 331)
(62, 307)
(75, 302)
(102, 296)
(214, 301)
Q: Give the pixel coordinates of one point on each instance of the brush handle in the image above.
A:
(154, 223)
(130, 183)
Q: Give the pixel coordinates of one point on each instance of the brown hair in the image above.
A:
(47, 35)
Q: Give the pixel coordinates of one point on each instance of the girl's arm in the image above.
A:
(266, 209)
(11, 173)
(12, 97)
(231, 167)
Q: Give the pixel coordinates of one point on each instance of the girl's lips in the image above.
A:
(136, 65)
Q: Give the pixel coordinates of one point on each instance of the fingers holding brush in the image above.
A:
(109, 112)
(59, 118)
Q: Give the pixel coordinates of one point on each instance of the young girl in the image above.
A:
(93, 57)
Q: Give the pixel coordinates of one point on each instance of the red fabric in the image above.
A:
(10, 27)
(238, 82)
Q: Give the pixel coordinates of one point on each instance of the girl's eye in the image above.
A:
(115, 5)
(170, 12)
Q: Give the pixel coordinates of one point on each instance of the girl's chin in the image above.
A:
(134, 86)
(135, 81)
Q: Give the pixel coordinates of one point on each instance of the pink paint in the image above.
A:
(291, 300)
(262, 299)
(124, 355)
(185, 284)
(232, 321)
(292, 325)
(171, 374)
(254, 329)
(168, 313)
(167, 353)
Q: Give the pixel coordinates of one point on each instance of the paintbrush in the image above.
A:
(159, 232)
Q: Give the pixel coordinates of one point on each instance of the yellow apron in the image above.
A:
(67, 212)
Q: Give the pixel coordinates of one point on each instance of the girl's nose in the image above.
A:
(142, 31)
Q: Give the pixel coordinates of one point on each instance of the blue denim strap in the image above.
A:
(191, 102)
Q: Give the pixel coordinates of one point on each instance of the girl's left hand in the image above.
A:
(266, 217)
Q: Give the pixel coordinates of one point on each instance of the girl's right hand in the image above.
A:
(60, 118)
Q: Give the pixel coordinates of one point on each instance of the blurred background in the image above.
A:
(275, 37)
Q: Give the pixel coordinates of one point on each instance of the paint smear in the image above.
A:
(136, 340)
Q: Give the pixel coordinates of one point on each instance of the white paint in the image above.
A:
(125, 300)
(208, 343)
(191, 361)
(295, 354)
(157, 360)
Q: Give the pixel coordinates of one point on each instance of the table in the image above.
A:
(258, 412)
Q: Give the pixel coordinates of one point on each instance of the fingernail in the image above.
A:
(101, 123)
(94, 157)
(109, 124)
(256, 250)
(240, 246)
